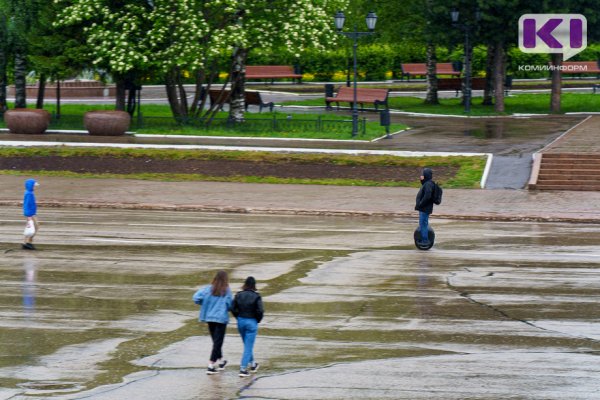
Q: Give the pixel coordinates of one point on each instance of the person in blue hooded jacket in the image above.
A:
(30, 211)
(215, 302)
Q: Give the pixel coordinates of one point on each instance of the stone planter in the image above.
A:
(106, 123)
(27, 121)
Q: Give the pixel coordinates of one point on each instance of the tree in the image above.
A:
(496, 16)
(417, 21)
(54, 54)
(135, 38)
(17, 18)
(3, 59)
(292, 26)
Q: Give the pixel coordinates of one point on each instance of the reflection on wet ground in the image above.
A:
(501, 135)
(103, 310)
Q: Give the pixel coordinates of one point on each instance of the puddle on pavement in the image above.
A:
(502, 135)
(339, 290)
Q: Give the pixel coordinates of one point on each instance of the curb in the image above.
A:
(298, 211)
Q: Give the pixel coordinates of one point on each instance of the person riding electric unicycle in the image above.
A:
(429, 194)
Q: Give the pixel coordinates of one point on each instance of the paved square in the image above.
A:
(495, 310)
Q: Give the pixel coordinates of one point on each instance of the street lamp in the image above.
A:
(466, 27)
(339, 20)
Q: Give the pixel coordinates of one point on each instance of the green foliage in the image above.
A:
(189, 34)
(374, 60)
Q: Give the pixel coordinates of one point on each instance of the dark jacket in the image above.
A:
(248, 304)
(425, 195)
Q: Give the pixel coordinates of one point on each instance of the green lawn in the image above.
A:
(515, 104)
(157, 119)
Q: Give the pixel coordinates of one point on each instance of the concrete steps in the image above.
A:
(568, 171)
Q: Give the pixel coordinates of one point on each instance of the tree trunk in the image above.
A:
(41, 92)
(489, 77)
(173, 91)
(131, 100)
(20, 80)
(238, 79)
(432, 82)
(556, 82)
(120, 94)
(182, 94)
(468, 68)
(58, 96)
(3, 81)
(499, 76)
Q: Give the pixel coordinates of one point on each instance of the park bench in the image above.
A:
(420, 69)
(251, 98)
(272, 72)
(580, 67)
(370, 96)
(476, 84)
(456, 84)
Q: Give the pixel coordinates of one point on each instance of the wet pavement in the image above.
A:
(495, 310)
(501, 204)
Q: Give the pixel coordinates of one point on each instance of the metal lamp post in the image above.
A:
(466, 27)
(371, 20)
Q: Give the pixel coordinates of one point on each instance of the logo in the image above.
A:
(553, 33)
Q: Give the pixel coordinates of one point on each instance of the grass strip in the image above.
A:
(158, 119)
(514, 104)
(468, 175)
(166, 177)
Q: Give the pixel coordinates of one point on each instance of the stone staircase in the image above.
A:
(572, 162)
(568, 171)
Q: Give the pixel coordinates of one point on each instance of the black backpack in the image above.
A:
(437, 194)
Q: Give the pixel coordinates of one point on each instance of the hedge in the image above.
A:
(376, 61)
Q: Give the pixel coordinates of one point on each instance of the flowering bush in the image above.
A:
(161, 35)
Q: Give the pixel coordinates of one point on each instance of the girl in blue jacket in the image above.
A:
(215, 302)
(30, 211)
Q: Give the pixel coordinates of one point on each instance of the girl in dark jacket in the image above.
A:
(248, 309)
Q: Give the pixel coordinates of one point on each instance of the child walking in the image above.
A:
(30, 212)
(215, 302)
(248, 309)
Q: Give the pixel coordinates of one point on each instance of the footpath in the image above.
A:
(475, 204)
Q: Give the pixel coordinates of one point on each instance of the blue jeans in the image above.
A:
(248, 328)
(424, 226)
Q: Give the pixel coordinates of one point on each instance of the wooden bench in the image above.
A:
(371, 96)
(224, 96)
(456, 84)
(420, 69)
(272, 72)
(580, 67)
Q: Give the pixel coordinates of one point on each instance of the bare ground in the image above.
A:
(220, 168)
